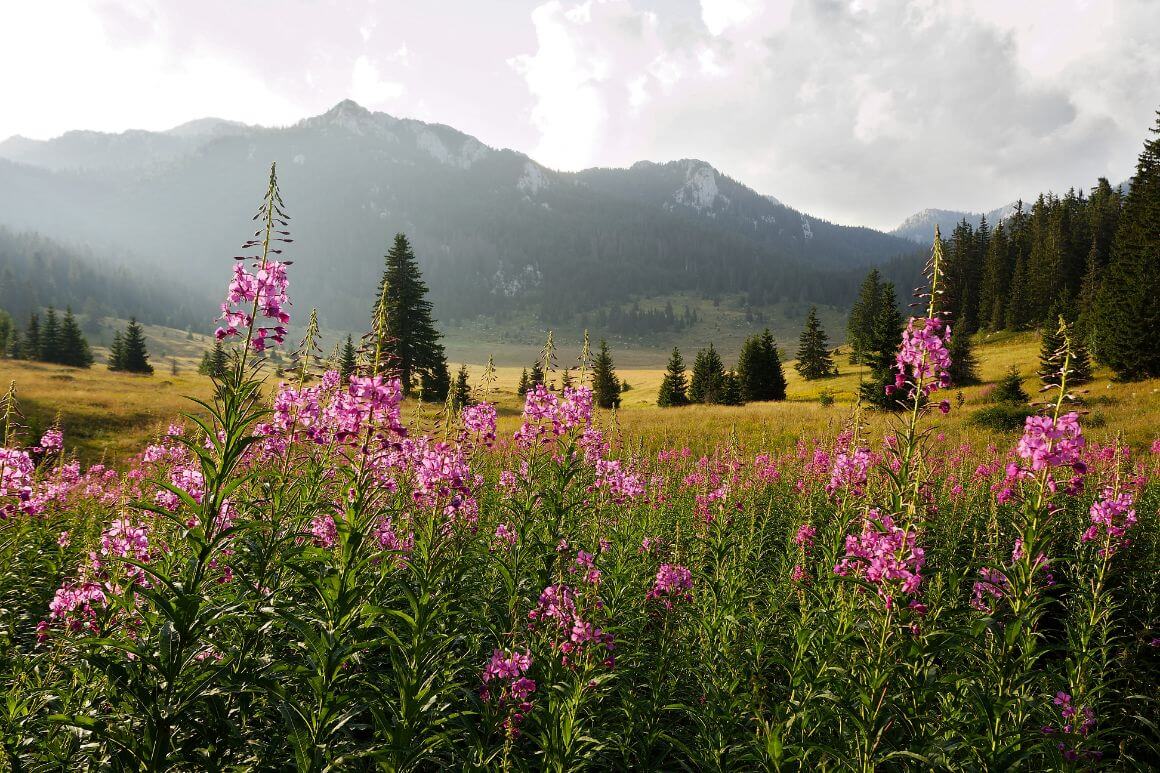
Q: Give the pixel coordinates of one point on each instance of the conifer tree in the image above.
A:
(7, 331)
(435, 382)
(347, 359)
(536, 376)
(731, 390)
(775, 378)
(759, 369)
(1010, 388)
(964, 369)
(31, 343)
(674, 389)
(525, 383)
(860, 326)
(884, 347)
(605, 384)
(1051, 350)
(461, 391)
(116, 359)
(407, 338)
(708, 377)
(814, 360)
(1127, 314)
(136, 356)
(74, 349)
(566, 380)
(50, 338)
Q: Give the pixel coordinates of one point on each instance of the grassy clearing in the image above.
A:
(108, 415)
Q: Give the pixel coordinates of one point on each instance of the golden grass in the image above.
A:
(111, 415)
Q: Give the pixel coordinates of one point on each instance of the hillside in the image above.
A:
(496, 232)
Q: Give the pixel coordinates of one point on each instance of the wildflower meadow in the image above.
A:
(294, 576)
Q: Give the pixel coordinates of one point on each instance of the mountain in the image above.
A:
(496, 233)
(919, 227)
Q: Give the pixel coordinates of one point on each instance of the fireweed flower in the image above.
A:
(479, 420)
(505, 683)
(53, 440)
(988, 589)
(1077, 723)
(673, 583)
(923, 359)
(1112, 515)
(264, 290)
(851, 468)
(16, 470)
(885, 555)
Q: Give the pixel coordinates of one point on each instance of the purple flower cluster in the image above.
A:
(924, 358)
(16, 470)
(1113, 514)
(1048, 442)
(263, 290)
(53, 440)
(557, 605)
(544, 412)
(479, 420)
(988, 589)
(851, 469)
(673, 583)
(622, 485)
(1077, 723)
(505, 681)
(885, 555)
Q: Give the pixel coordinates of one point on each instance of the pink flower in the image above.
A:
(673, 583)
(851, 469)
(1113, 514)
(805, 535)
(263, 291)
(885, 555)
(923, 359)
(53, 440)
(505, 683)
(16, 469)
(479, 419)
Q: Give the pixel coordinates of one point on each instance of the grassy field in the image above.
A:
(108, 415)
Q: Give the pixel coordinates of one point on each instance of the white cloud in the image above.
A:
(720, 15)
(369, 88)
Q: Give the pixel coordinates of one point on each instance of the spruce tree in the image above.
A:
(347, 359)
(1051, 351)
(50, 338)
(759, 369)
(74, 349)
(525, 384)
(116, 359)
(461, 391)
(219, 360)
(7, 333)
(708, 377)
(1010, 388)
(1127, 313)
(964, 369)
(406, 334)
(136, 356)
(814, 360)
(435, 382)
(536, 376)
(566, 380)
(775, 378)
(860, 326)
(674, 389)
(731, 390)
(31, 343)
(881, 356)
(605, 384)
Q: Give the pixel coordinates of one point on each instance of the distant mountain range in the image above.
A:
(495, 231)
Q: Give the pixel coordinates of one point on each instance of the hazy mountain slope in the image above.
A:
(494, 231)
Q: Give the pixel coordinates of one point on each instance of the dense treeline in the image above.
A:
(54, 339)
(36, 272)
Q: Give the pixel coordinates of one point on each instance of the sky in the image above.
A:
(857, 111)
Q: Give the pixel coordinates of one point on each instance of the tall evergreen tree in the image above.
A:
(74, 349)
(136, 356)
(406, 335)
(708, 377)
(887, 338)
(461, 391)
(536, 375)
(605, 384)
(1127, 314)
(731, 390)
(1051, 350)
(31, 343)
(50, 338)
(116, 359)
(347, 359)
(814, 360)
(525, 384)
(759, 369)
(674, 389)
(7, 333)
(860, 326)
(964, 369)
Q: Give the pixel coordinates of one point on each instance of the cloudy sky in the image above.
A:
(859, 111)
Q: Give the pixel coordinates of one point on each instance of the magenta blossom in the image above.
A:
(885, 555)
